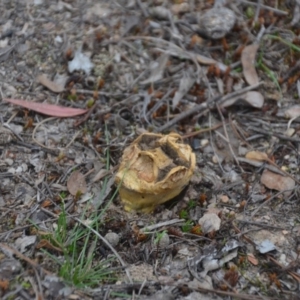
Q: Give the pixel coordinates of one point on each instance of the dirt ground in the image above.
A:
(81, 80)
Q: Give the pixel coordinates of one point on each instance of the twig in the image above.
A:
(227, 137)
(267, 201)
(86, 116)
(234, 295)
(45, 147)
(205, 107)
(192, 134)
(23, 257)
(280, 136)
(258, 6)
(278, 11)
(161, 224)
(260, 224)
(35, 129)
(293, 274)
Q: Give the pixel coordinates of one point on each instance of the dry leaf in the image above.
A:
(80, 62)
(185, 84)
(48, 109)
(248, 63)
(160, 12)
(210, 222)
(157, 69)
(232, 276)
(205, 60)
(180, 8)
(51, 85)
(4, 52)
(277, 182)
(252, 259)
(293, 112)
(4, 284)
(76, 183)
(255, 99)
(257, 155)
(47, 245)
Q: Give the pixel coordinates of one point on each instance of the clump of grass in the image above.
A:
(77, 262)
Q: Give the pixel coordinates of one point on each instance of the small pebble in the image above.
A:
(289, 132)
(215, 159)
(225, 211)
(204, 142)
(19, 170)
(164, 241)
(24, 167)
(11, 170)
(224, 198)
(9, 161)
(112, 238)
(217, 22)
(232, 214)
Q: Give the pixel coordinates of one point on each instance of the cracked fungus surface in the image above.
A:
(154, 169)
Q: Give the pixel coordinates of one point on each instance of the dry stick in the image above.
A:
(23, 257)
(292, 273)
(256, 13)
(38, 279)
(280, 136)
(260, 224)
(278, 11)
(86, 116)
(267, 201)
(234, 295)
(238, 131)
(205, 107)
(194, 133)
(227, 137)
(35, 288)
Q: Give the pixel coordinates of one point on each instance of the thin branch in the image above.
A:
(205, 107)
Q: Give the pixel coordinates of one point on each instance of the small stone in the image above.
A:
(140, 223)
(9, 161)
(205, 283)
(224, 198)
(164, 241)
(204, 142)
(232, 214)
(217, 22)
(19, 170)
(215, 159)
(210, 222)
(225, 211)
(5, 136)
(290, 132)
(282, 259)
(112, 238)
(11, 170)
(24, 167)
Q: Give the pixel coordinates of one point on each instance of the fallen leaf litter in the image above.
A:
(219, 74)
